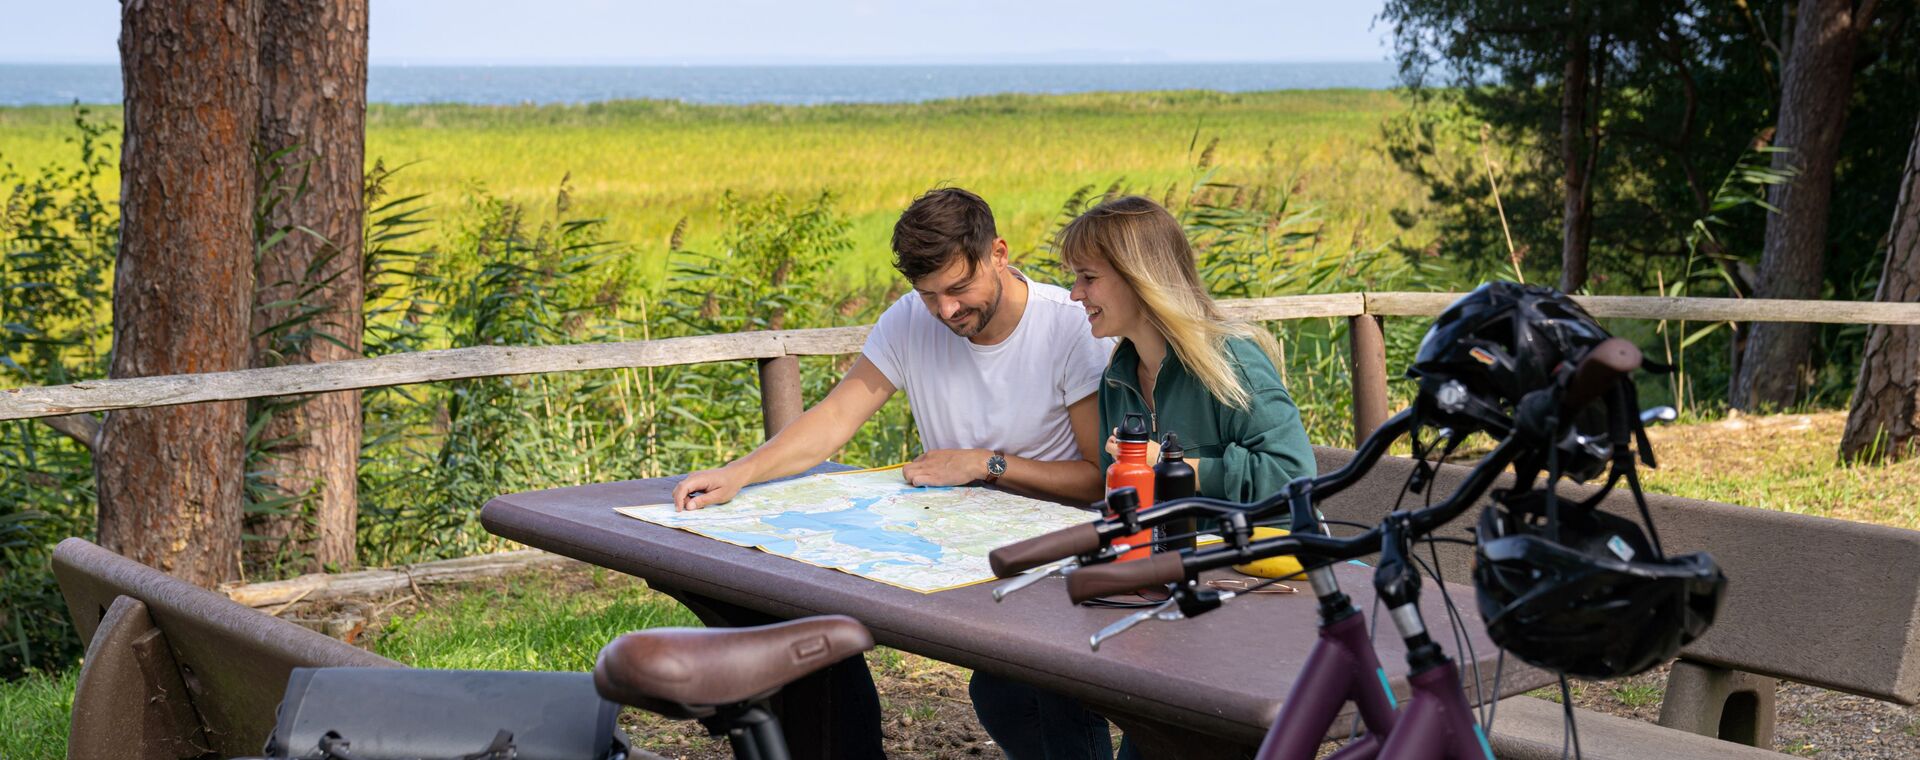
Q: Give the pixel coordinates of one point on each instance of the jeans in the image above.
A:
(1031, 723)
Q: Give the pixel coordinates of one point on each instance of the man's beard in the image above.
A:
(984, 314)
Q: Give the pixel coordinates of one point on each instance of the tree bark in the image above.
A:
(313, 75)
(1576, 216)
(170, 480)
(1885, 419)
(1813, 112)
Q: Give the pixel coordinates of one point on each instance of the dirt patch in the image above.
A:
(1811, 722)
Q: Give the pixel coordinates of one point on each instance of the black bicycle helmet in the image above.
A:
(1493, 347)
(1597, 600)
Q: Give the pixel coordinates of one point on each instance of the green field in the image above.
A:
(644, 165)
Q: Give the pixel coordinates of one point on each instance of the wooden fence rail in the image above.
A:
(777, 353)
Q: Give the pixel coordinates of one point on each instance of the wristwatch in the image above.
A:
(996, 467)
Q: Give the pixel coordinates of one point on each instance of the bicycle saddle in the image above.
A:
(690, 672)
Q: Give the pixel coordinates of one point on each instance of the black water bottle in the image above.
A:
(1173, 478)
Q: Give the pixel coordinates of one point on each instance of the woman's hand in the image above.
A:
(1113, 448)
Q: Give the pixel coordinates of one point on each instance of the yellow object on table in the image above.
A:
(1284, 566)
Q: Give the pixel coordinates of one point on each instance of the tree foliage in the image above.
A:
(1680, 93)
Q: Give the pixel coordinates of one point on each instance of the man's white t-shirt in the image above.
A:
(1011, 396)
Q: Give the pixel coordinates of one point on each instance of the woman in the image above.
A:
(1180, 363)
(1189, 371)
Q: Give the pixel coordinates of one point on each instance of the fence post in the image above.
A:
(780, 400)
(1369, 364)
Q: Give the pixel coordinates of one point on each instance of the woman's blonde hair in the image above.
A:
(1147, 247)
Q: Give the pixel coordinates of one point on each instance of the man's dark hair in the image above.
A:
(943, 223)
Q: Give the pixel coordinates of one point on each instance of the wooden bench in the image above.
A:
(175, 670)
(1825, 602)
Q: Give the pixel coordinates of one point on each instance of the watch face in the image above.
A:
(996, 465)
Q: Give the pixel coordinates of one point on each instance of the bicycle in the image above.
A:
(721, 677)
(1342, 667)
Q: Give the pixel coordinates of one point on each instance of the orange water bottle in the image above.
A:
(1131, 469)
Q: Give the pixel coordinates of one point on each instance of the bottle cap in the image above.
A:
(1134, 430)
(1170, 448)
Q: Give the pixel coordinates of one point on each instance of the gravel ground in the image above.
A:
(1810, 722)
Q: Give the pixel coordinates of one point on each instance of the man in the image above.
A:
(1001, 374)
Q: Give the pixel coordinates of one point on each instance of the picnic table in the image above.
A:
(1208, 686)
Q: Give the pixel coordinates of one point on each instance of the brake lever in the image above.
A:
(1167, 610)
(1658, 414)
(1057, 569)
(1180, 607)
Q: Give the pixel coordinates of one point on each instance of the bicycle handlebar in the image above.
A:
(1155, 570)
(1606, 363)
(1097, 580)
(1079, 540)
(1013, 559)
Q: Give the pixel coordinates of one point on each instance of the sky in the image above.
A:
(587, 32)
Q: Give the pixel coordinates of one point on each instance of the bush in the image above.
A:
(57, 239)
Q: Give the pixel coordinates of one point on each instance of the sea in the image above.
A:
(59, 84)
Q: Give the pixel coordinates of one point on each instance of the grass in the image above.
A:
(33, 717)
(1637, 695)
(526, 625)
(643, 165)
(1786, 462)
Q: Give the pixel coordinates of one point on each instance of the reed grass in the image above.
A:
(645, 165)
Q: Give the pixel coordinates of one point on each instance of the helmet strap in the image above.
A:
(1553, 479)
(1624, 420)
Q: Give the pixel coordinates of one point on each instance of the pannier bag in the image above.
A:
(409, 714)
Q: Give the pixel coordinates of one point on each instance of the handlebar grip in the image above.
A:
(1125, 577)
(1606, 363)
(1014, 559)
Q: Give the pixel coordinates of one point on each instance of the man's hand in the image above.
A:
(947, 467)
(709, 487)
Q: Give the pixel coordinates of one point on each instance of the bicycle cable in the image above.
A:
(1499, 666)
(1425, 469)
(1571, 730)
(1462, 639)
(1373, 616)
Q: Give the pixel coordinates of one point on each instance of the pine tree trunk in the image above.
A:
(1813, 112)
(1576, 216)
(313, 75)
(170, 479)
(1885, 419)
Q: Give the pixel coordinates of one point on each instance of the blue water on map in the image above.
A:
(858, 527)
(772, 543)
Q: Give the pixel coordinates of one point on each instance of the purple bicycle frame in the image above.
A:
(1436, 723)
(1342, 668)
